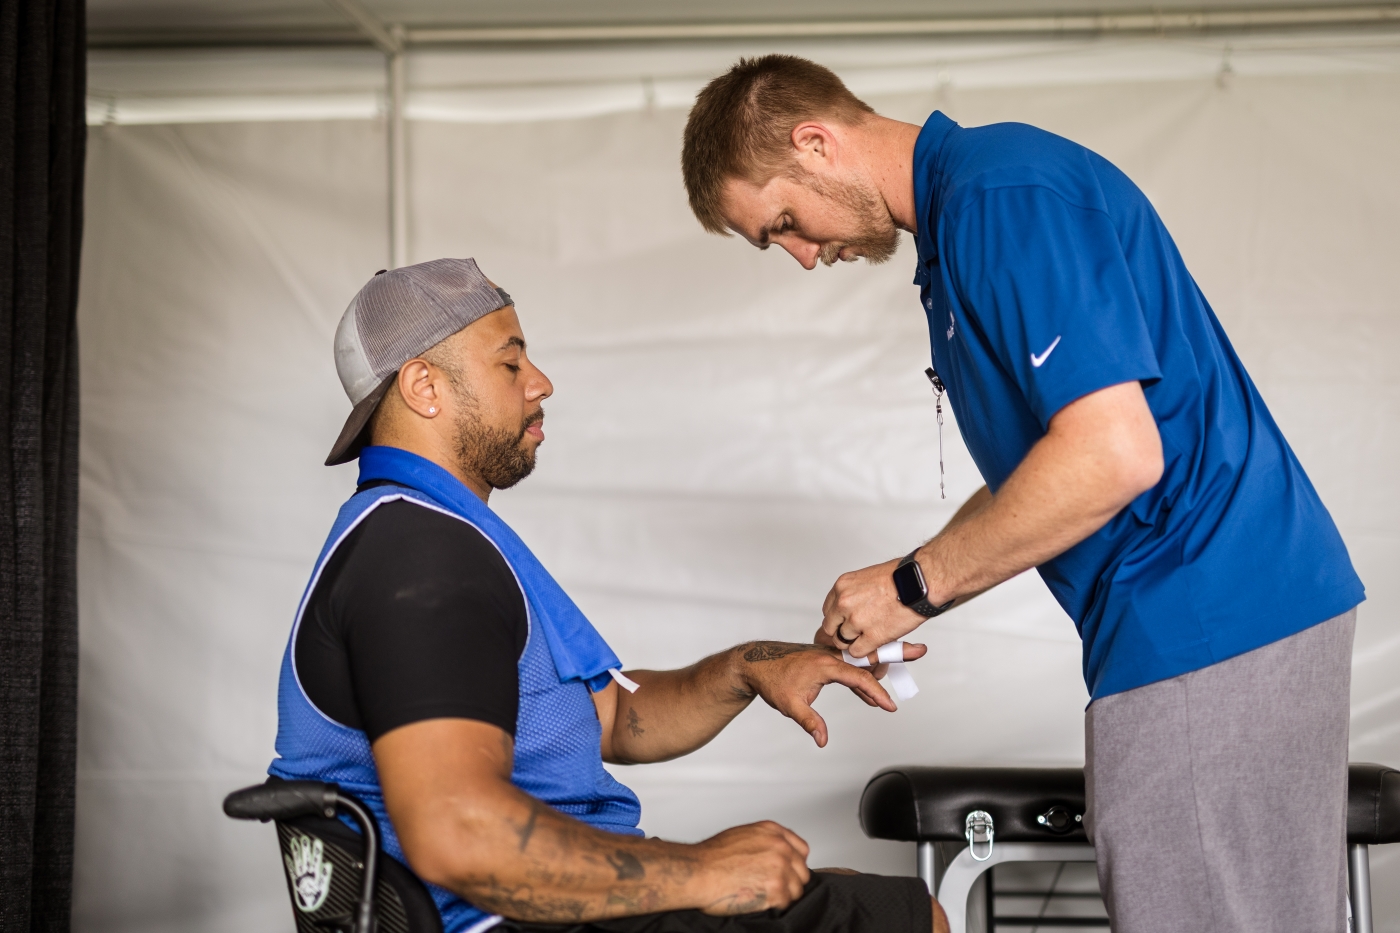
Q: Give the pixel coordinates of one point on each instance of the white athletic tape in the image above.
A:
(892, 653)
(623, 681)
(901, 681)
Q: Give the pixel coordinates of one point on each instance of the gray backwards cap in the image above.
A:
(395, 317)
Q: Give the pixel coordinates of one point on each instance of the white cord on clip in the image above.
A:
(892, 653)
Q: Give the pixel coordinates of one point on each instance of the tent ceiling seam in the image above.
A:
(1146, 21)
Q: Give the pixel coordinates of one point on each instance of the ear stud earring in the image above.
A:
(432, 411)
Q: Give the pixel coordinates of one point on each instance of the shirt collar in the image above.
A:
(396, 465)
(927, 165)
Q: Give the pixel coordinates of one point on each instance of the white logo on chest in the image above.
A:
(309, 872)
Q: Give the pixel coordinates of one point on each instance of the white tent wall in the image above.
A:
(729, 432)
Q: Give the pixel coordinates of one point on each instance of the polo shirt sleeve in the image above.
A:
(1046, 284)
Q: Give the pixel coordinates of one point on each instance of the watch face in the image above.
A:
(909, 583)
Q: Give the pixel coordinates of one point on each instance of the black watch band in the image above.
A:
(919, 603)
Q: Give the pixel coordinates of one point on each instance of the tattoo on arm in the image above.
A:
(574, 872)
(634, 723)
(773, 650)
(747, 903)
(627, 865)
(525, 902)
(528, 830)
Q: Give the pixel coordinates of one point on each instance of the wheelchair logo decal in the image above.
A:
(309, 872)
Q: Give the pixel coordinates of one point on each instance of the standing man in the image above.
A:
(1128, 457)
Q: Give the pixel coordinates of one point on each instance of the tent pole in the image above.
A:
(390, 40)
(398, 165)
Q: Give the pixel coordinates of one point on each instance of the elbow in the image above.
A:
(439, 865)
(1137, 468)
(465, 874)
(452, 860)
(1112, 438)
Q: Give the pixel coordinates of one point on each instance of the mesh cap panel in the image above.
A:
(395, 317)
(402, 313)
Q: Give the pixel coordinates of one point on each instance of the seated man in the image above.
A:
(439, 673)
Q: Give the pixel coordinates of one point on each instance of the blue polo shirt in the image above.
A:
(1046, 275)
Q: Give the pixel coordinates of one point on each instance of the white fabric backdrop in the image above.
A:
(729, 433)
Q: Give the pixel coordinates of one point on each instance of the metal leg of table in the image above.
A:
(1359, 874)
(927, 869)
(963, 871)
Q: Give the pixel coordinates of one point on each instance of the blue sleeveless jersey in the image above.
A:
(557, 742)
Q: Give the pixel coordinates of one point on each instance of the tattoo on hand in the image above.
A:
(773, 650)
(634, 723)
(627, 865)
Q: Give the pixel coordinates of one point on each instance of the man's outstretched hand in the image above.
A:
(789, 677)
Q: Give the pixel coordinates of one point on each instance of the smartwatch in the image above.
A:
(913, 591)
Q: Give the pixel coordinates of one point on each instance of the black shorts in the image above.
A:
(831, 903)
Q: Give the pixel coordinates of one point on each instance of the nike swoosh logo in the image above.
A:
(1037, 360)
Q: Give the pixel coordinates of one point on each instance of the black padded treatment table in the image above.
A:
(967, 820)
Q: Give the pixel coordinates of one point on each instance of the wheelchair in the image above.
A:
(964, 821)
(340, 881)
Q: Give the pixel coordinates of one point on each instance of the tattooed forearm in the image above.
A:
(744, 902)
(524, 902)
(631, 900)
(773, 650)
(634, 723)
(627, 865)
(572, 872)
(528, 830)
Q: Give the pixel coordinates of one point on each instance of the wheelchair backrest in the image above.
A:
(321, 859)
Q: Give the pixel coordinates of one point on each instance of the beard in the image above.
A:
(877, 237)
(498, 455)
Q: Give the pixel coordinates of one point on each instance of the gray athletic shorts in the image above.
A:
(1217, 799)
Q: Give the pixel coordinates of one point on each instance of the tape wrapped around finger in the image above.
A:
(892, 653)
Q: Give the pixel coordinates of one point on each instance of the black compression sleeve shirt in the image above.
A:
(416, 616)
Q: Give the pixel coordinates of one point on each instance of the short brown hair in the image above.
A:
(741, 125)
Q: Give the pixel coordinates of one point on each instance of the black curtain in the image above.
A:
(42, 138)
